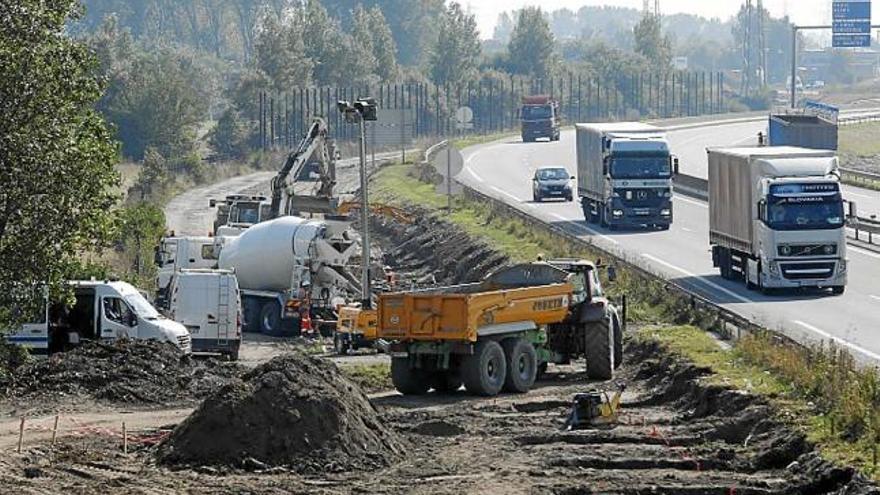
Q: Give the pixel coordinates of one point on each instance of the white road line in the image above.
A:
(475, 175)
(876, 298)
(850, 193)
(691, 201)
(862, 251)
(584, 228)
(687, 229)
(823, 333)
(698, 278)
(502, 191)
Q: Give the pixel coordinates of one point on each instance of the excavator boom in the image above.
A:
(315, 141)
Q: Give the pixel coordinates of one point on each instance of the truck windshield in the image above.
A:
(141, 306)
(805, 213)
(249, 214)
(537, 112)
(640, 167)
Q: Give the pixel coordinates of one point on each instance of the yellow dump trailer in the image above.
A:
(356, 328)
(500, 334)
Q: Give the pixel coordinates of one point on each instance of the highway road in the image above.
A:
(503, 170)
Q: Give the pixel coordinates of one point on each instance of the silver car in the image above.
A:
(552, 182)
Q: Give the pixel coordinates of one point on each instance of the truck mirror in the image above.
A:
(675, 165)
(605, 166)
(852, 213)
(157, 256)
(612, 273)
(132, 320)
(213, 203)
(762, 210)
(572, 177)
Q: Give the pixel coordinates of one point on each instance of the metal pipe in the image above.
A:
(366, 298)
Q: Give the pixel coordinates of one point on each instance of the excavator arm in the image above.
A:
(316, 140)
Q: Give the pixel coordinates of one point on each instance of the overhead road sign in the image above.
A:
(851, 24)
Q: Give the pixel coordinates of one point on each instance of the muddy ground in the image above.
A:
(675, 436)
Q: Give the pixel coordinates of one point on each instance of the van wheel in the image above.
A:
(233, 355)
(484, 371)
(408, 381)
(251, 316)
(599, 351)
(447, 381)
(270, 319)
(522, 363)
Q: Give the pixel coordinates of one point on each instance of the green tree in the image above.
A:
(57, 156)
(456, 54)
(153, 175)
(140, 227)
(230, 138)
(532, 44)
(281, 53)
(651, 43)
(384, 47)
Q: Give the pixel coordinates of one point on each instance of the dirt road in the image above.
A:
(190, 214)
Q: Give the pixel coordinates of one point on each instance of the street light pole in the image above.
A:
(366, 297)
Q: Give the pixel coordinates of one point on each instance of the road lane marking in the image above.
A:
(584, 228)
(864, 252)
(847, 192)
(698, 278)
(691, 201)
(687, 229)
(475, 175)
(861, 350)
(876, 298)
(502, 191)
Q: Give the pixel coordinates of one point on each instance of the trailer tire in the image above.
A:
(484, 371)
(251, 316)
(446, 381)
(599, 349)
(270, 319)
(521, 361)
(408, 381)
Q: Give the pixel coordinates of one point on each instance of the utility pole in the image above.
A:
(762, 44)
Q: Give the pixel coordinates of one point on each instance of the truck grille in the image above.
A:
(807, 250)
(184, 343)
(803, 271)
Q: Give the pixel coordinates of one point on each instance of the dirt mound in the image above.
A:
(125, 371)
(295, 411)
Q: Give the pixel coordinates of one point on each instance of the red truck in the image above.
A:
(539, 118)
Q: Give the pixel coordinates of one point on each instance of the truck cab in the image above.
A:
(181, 253)
(102, 311)
(239, 212)
(539, 118)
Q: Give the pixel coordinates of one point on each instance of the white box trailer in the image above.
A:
(776, 217)
(208, 304)
(624, 174)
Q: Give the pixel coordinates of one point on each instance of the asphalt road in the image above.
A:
(503, 170)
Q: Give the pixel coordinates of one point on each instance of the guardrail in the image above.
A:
(858, 119)
(859, 176)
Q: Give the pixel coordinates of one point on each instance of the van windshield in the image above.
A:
(141, 306)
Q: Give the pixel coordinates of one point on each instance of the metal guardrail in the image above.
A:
(858, 119)
(860, 176)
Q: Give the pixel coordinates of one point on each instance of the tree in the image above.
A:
(230, 139)
(153, 174)
(140, 227)
(281, 53)
(457, 51)
(371, 30)
(532, 44)
(57, 156)
(651, 43)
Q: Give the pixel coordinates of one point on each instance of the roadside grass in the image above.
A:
(372, 377)
(819, 390)
(860, 139)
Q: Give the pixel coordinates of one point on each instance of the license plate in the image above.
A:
(642, 212)
(400, 354)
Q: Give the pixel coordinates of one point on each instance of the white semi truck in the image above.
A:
(776, 217)
(625, 174)
(103, 310)
(290, 267)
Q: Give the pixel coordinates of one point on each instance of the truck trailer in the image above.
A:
(776, 217)
(500, 334)
(625, 175)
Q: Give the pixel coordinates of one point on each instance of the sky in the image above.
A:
(802, 11)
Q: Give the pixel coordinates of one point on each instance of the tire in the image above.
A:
(484, 371)
(599, 349)
(838, 290)
(618, 340)
(603, 217)
(446, 382)
(664, 226)
(542, 370)
(724, 264)
(341, 348)
(537, 197)
(233, 355)
(251, 314)
(521, 362)
(270, 319)
(408, 381)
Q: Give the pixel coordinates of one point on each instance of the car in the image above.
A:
(552, 182)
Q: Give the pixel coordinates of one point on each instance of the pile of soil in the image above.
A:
(423, 249)
(125, 371)
(296, 411)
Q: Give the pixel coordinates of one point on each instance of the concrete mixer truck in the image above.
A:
(290, 268)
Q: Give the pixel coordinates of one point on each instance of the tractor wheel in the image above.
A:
(599, 349)
(522, 365)
(484, 371)
(408, 381)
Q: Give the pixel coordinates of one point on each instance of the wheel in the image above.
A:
(536, 197)
(724, 264)
(521, 361)
(444, 382)
(542, 370)
(618, 340)
(603, 217)
(838, 289)
(270, 319)
(599, 349)
(340, 346)
(569, 198)
(233, 355)
(664, 226)
(251, 315)
(483, 372)
(408, 381)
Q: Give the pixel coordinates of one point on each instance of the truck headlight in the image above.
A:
(774, 268)
(665, 212)
(785, 250)
(830, 249)
(617, 213)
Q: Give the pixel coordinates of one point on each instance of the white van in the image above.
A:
(208, 304)
(102, 311)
